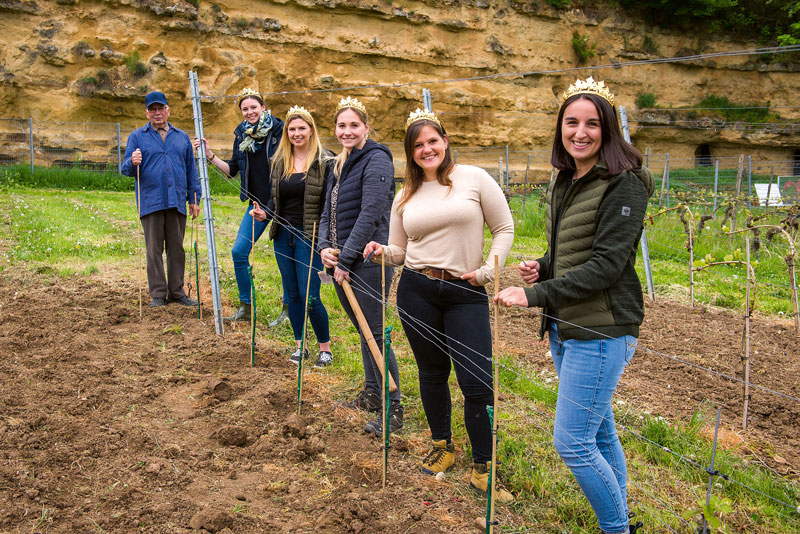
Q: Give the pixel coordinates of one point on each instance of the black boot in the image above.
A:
(635, 526)
(242, 314)
(395, 420)
(280, 318)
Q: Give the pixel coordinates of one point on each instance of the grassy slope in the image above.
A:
(87, 232)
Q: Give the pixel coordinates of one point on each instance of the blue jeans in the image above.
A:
(292, 252)
(245, 239)
(584, 435)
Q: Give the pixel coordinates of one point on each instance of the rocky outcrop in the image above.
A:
(93, 60)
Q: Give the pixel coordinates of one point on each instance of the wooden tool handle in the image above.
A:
(366, 332)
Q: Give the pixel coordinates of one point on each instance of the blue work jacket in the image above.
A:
(167, 174)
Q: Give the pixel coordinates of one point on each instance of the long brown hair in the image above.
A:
(615, 152)
(414, 173)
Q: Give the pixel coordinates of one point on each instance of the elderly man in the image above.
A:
(167, 181)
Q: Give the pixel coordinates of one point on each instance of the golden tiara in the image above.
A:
(248, 92)
(421, 115)
(351, 102)
(589, 86)
(299, 110)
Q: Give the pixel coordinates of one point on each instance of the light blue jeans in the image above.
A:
(241, 252)
(584, 434)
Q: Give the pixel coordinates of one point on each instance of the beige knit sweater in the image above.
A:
(442, 227)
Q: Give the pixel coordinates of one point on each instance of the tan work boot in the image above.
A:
(479, 479)
(440, 459)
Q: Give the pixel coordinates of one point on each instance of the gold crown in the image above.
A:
(420, 115)
(248, 92)
(589, 86)
(351, 102)
(299, 110)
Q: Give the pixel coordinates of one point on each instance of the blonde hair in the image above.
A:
(338, 161)
(284, 155)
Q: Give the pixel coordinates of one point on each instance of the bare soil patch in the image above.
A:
(109, 423)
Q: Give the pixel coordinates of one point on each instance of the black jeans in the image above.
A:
(446, 320)
(366, 283)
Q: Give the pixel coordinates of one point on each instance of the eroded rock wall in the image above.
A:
(74, 60)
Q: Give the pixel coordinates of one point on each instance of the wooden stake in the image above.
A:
(196, 227)
(305, 322)
(739, 176)
(384, 402)
(252, 290)
(139, 231)
(747, 312)
(495, 356)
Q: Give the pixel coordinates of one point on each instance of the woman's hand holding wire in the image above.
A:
(258, 213)
(529, 270)
(512, 296)
(373, 249)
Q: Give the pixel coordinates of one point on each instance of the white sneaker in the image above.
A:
(324, 360)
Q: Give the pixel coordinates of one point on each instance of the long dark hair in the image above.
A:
(615, 152)
(414, 173)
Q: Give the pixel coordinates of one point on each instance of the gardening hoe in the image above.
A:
(365, 330)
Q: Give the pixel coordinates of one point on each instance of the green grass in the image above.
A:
(63, 233)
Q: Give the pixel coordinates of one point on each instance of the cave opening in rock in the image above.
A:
(702, 156)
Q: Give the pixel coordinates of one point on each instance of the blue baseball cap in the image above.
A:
(155, 97)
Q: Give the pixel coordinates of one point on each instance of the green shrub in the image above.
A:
(649, 45)
(241, 23)
(738, 112)
(559, 4)
(195, 3)
(645, 100)
(134, 64)
(580, 43)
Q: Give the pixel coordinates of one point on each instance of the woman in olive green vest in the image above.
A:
(298, 194)
(589, 290)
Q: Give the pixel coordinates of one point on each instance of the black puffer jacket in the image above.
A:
(365, 202)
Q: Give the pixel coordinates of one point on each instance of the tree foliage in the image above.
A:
(769, 21)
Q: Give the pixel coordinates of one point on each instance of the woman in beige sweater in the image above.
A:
(436, 231)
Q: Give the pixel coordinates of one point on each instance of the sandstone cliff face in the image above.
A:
(76, 60)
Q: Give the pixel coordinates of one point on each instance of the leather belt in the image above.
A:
(436, 274)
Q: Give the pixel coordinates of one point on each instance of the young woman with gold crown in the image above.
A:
(254, 144)
(297, 199)
(589, 290)
(357, 210)
(436, 231)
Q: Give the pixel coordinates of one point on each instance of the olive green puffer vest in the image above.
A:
(314, 194)
(573, 245)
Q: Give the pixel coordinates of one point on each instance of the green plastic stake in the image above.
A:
(489, 518)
